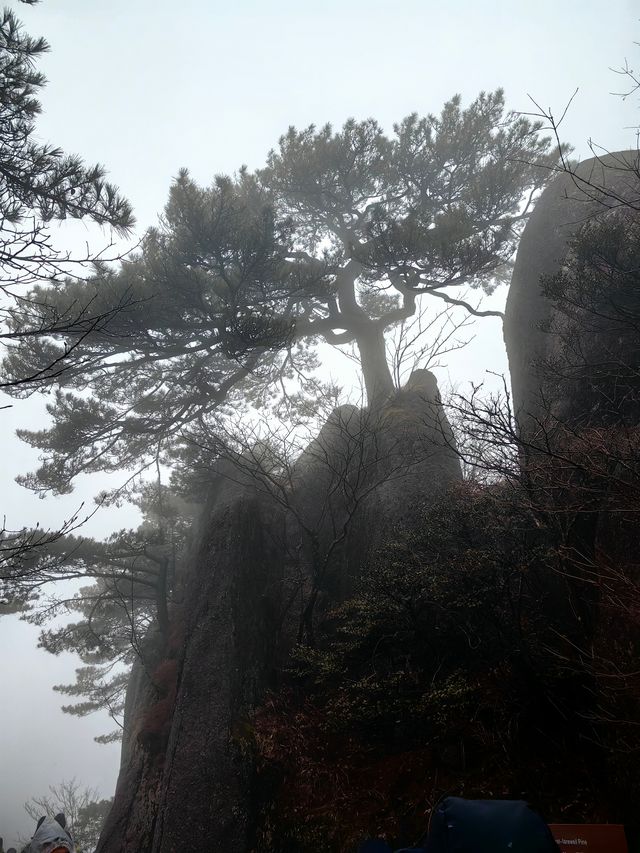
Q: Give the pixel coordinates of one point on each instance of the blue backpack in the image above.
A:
(481, 826)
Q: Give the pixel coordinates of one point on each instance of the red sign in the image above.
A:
(589, 837)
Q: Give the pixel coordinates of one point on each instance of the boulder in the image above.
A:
(419, 456)
(598, 187)
(367, 472)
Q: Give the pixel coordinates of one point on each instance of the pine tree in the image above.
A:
(336, 239)
(40, 184)
(128, 585)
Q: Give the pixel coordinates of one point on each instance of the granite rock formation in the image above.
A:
(187, 777)
(599, 188)
(573, 342)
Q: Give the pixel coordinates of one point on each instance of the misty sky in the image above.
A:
(149, 86)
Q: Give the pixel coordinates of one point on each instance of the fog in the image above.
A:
(148, 86)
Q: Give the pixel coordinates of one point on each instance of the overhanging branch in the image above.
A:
(462, 304)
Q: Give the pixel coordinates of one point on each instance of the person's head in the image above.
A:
(51, 836)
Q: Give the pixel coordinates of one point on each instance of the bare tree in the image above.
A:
(573, 465)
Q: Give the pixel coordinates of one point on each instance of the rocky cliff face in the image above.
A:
(186, 780)
(187, 776)
(599, 187)
(573, 341)
(367, 472)
(418, 452)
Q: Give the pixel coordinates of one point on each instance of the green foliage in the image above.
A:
(39, 184)
(91, 818)
(435, 615)
(457, 667)
(131, 578)
(39, 179)
(336, 238)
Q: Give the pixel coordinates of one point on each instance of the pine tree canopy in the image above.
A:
(38, 182)
(335, 239)
(128, 584)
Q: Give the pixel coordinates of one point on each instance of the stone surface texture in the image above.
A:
(187, 777)
(599, 185)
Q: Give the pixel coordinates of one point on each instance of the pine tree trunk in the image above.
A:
(375, 369)
(378, 381)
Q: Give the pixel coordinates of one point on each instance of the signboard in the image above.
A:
(589, 837)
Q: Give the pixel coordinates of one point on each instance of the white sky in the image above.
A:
(148, 86)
